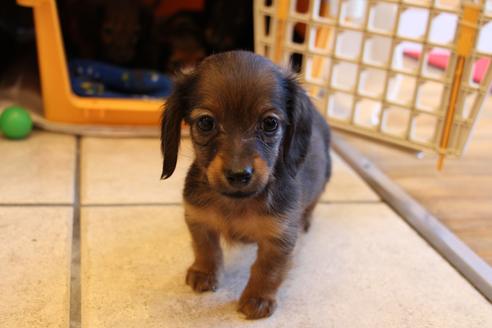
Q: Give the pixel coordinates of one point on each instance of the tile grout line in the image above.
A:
(323, 202)
(144, 204)
(36, 205)
(75, 281)
(132, 204)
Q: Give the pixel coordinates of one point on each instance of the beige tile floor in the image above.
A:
(35, 244)
(40, 171)
(360, 266)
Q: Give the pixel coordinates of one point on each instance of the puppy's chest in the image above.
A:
(236, 223)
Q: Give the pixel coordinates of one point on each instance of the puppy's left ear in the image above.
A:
(297, 138)
(174, 112)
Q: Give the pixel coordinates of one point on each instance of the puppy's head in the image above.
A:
(250, 122)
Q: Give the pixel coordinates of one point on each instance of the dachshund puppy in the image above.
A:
(261, 163)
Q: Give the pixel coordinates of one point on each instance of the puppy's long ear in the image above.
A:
(174, 112)
(298, 134)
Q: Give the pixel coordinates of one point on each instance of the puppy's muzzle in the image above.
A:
(239, 178)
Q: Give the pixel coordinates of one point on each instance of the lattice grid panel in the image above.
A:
(366, 64)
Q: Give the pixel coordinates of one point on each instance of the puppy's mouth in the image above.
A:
(239, 194)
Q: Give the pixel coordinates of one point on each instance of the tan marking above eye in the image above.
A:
(198, 112)
(272, 112)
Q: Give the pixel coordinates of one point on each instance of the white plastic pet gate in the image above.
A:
(372, 67)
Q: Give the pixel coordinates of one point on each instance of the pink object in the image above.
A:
(481, 67)
(440, 59)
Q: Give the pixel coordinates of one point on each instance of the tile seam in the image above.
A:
(75, 286)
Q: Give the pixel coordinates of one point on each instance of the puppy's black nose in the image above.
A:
(239, 178)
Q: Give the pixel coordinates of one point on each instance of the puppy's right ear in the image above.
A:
(175, 110)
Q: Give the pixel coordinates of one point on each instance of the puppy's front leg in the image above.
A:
(203, 274)
(267, 273)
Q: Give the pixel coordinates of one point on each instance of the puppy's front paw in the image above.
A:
(257, 307)
(201, 281)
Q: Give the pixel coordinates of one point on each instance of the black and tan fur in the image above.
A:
(286, 170)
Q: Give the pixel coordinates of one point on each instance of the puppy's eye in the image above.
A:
(206, 123)
(269, 124)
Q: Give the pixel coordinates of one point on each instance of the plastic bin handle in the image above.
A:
(29, 3)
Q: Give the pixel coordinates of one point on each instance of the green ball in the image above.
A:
(15, 122)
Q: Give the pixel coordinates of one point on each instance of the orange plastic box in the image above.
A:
(60, 103)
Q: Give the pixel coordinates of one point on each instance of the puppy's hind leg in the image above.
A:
(203, 274)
